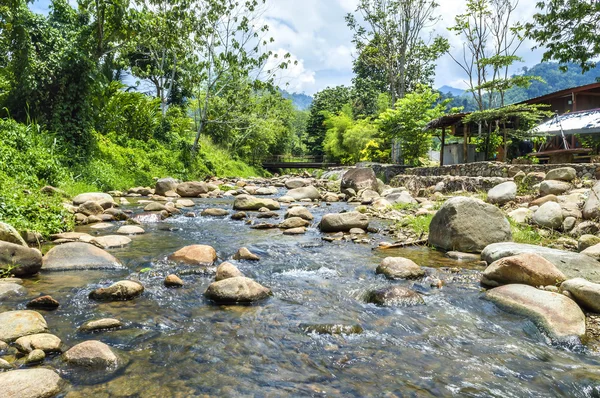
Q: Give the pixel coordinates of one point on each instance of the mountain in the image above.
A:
(456, 92)
(300, 101)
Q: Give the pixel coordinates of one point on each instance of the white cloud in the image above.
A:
(295, 78)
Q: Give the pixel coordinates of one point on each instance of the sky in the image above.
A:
(314, 32)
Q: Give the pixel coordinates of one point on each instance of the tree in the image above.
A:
(569, 30)
(408, 120)
(392, 41)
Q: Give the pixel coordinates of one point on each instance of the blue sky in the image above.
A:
(315, 34)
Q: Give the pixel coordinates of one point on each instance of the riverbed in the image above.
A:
(176, 343)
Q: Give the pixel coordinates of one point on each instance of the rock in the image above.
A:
(521, 215)
(214, 212)
(309, 192)
(102, 225)
(92, 354)
(173, 281)
(357, 231)
(358, 179)
(4, 365)
(155, 206)
(299, 211)
(591, 208)
(15, 324)
(26, 261)
(402, 197)
(53, 191)
(562, 174)
(35, 356)
(247, 202)
(91, 196)
(185, 203)
(503, 193)
(78, 256)
(267, 191)
(32, 237)
(130, 230)
(554, 187)
(559, 316)
(399, 268)
(118, 291)
(549, 215)
(569, 224)
(116, 213)
(100, 324)
(30, 383)
(227, 270)
(585, 293)
(293, 183)
(295, 231)
(343, 222)
(43, 303)
(460, 256)
(593, 252)
(543, 199)
(90, 208)
(585, 228)
(9, 234)
(165, 185)
(238, 289)
(191, 189)
(9, 290)
(369, 195)
(240, 215)
(294, 222)
(468, 225)
(195, 255)
(332, 329)
(395, 296)
(111, 241)
(573, 265)
(586, 241)
(42, 341)
(527, 269)
(245, 254)
(286, 199)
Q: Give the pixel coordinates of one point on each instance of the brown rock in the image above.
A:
(173, 281)
(245, 254)
(527, 268)
(91, 354)
(227, 270)
(43, 303)
(195, 255)
(399, 268)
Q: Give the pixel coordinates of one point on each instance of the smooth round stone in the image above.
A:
(5, 365)
(100, 324)
(102, 225)
(30, 383)
(130, 230)
(111, 241)
(227, 270)
(42, 341)
(35, 356)
(173, 281)
(92, 354)
(295, 231)
(43, 303)
(118, 291)
(245, 254)
(8, 290)
(78, 256)
(15, 324)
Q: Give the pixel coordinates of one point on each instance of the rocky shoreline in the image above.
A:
(557, 288)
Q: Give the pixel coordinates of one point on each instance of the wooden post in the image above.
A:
(443, 143)
(465, 144)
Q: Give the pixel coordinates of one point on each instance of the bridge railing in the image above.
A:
(293, 159)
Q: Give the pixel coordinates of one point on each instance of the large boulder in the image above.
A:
(562, 174)
(573, 265)
(118, 291)
(527, 269)
(247, 202)
(554, 187)
(165, 185)
(42, 341)
(191, 189)
(503, 193)
(399, 268)
(294, 222)
(30, 383)
(91, 196)
(9, 234)
(585, 293)
(90, 208)
(402, 197)
(299, 211)
(92, 354)
(78, 256)
(591, 208)
(395, 296)
(555, 313)
(309, 192)
(15, 324)
(22, 260)
(549, 215)
(293, 183)
(10, 290)
(195, 255)
(468, 225)
(344, 222)
(110, 241)
(238, 289)
(359, 179)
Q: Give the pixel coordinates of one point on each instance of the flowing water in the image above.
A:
(175, 343)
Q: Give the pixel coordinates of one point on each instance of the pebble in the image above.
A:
(173, 281)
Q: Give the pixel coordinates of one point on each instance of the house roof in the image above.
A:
(582, 122)
(562, 93)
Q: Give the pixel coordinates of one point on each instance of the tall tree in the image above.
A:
(569, 30)
(392, 39)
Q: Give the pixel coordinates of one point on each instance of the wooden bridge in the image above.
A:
(296, 162)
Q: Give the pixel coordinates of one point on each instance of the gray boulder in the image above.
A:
(78, 256)
(30, 383)
(93, 355)
(15, 324)
(238, 289)
(554, 187)
(9, 290)
(555, 313)
(309, 192)
(165, 185)
(359, 179)
(395, 296)
(591, 208)
(9, 234)
(562, 174)
(344, 222)
(585, 293)
(191, 189)
(26, 261)
(91, 196)
(118, 291)
(573, 265)
(468, 225)
(299, 211)
(227, 270)
(399, 268)
(247, 202)
(503, 193)
(403, 197)
(293, 183)
(549, 215)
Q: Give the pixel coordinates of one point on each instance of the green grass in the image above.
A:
(404, 206)
(418, 224)
(525, 233)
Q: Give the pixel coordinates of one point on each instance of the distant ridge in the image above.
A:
(300, 101)
(457, 92)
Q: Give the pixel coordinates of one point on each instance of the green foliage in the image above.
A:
(330, 100)
(418, 224)
(6, 270)
(569, 31)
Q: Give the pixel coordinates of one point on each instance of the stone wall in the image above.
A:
(499, 169)
(451, 183)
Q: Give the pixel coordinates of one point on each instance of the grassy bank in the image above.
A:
(31, 158)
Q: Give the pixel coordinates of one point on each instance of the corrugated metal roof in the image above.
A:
(583, 122)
